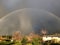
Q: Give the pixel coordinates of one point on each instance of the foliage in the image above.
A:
(24, 41)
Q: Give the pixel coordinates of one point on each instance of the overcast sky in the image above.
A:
(28, 20)
(8, 6)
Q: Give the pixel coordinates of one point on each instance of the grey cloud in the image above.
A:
(28, 20)
(6, 6)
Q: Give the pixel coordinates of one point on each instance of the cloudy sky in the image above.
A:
(8, 6)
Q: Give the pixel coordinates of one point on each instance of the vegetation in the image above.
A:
(31, 39)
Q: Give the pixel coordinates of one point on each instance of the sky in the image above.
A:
(29, 20)
(8, 6)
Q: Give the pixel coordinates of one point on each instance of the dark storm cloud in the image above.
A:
(7, 6)
(28, 20)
